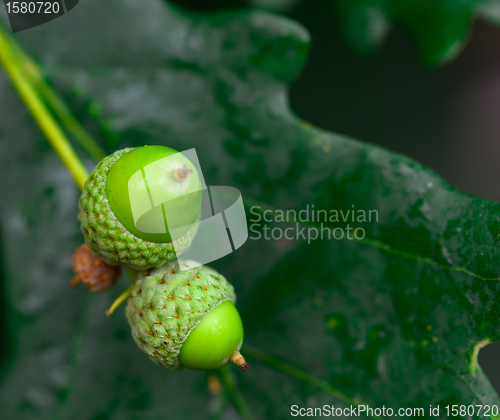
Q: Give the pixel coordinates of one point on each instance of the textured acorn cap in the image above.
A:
(167, 304)
(108, 238)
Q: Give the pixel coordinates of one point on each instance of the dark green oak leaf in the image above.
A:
(395, 319)
(439, 29)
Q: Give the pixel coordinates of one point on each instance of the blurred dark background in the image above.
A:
(446, 118)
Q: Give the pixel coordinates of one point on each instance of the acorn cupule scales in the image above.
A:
(107, 237)
(180, 318)
(167, 304)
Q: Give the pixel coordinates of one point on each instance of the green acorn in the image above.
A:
(132, 180)
(186, 318)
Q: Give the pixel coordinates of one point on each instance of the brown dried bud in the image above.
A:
(240, 361)
(95, 274)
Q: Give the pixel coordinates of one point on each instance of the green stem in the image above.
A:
(42, 116)
(70, 123)
(61, 110)
(9, 50)
(122, 298)
(24, 73)
(125, 295)
(58, 106)
(288, 369)
(233, 392)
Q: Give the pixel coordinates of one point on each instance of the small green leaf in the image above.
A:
(439, 28)
(364, 24)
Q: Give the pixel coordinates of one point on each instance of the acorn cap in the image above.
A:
(167, 304)
(106, 236)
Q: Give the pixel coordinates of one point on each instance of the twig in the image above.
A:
(122, 298)
(54, 101)
(42, 116)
